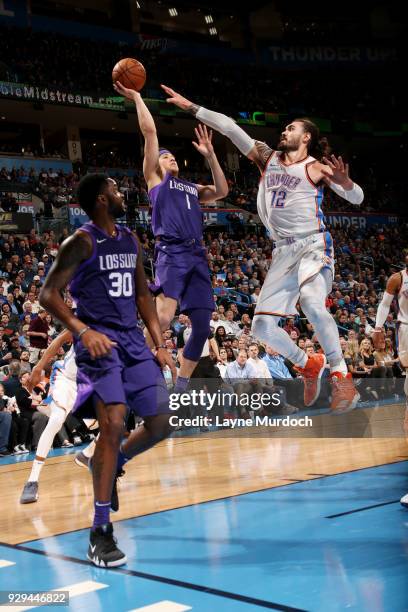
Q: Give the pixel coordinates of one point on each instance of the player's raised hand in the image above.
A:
(97, 344)
(165, 359)
(130, 94)
(177, 99)
(204, 144)
(337, 171)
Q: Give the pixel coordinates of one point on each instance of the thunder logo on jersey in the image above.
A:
(274, 179)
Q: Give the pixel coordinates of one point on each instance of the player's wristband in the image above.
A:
(83, 330)
(160, 346)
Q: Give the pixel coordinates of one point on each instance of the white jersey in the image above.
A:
(289, 203)
(403, 298)
(68, 368)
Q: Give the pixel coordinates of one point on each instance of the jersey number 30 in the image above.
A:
(278, 199)
(122, 285)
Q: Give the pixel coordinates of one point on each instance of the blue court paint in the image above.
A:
(275, 546)
(54, 452)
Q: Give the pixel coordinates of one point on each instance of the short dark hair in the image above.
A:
(90, 186)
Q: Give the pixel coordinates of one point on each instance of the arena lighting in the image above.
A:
(208, 19)
(137, 4)
(173, 12)
(213, 31)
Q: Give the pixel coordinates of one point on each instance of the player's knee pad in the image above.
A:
(200, 329)
(264, 326)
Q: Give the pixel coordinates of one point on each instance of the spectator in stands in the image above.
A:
(27, 403)
(5, 423)
(38, 334)
(290, 326)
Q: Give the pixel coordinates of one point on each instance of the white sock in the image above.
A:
(339, 367)
(90, 449)
(35, 470)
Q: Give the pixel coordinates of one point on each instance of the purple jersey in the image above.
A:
(104, 285)
(176, 213)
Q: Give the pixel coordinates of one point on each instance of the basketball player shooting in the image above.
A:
(103, 264)
(181, 269)
(289, 204)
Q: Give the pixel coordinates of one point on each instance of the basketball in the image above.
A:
(130, 73)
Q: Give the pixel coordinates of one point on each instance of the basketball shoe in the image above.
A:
(404, 501)
(312, 374)
(344, 394)
(102, 550)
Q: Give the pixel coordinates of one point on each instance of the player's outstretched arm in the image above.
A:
(148, 129)
(147, 310)
(50, 352)
(73, 251)
(223, 124)
(210, 193)
(335, 174)
(391, 290)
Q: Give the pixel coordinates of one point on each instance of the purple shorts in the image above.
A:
(181, 273)
(129, 375)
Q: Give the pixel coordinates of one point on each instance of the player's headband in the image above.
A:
(164, 151)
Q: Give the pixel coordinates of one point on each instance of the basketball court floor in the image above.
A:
(230, 521)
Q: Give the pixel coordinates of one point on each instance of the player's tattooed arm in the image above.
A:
(74, 251)
(260, 154)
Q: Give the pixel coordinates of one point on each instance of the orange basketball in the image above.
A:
(130, 73)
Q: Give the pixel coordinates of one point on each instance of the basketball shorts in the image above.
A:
(128, 375)
(293, 265)
(403, 344)
(63, 393)
(181, 273)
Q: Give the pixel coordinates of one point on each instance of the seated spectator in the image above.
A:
(290, 326)
(27, 403)
(220, 335)
(5, 423)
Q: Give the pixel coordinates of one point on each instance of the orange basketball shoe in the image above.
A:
(344, 394)
(312, 373)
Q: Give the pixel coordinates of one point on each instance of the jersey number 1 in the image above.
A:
(188, 202)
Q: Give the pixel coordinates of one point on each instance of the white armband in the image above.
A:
(227, 127)
(354, 195)
(383, 309)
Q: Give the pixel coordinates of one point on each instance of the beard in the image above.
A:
(285, 146)
(116, 209)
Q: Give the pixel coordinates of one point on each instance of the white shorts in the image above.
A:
(403, 344)
(292, 265)
(63, 393)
